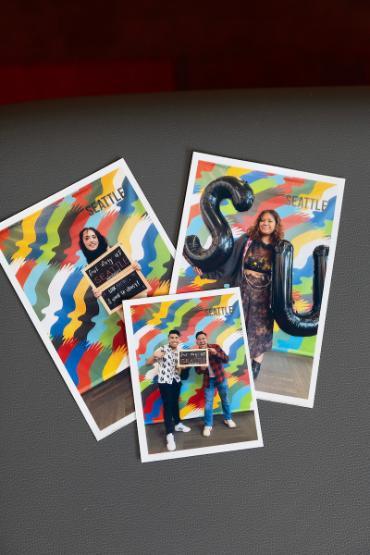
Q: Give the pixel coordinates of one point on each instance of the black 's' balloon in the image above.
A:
(242, 198)
(290, 321)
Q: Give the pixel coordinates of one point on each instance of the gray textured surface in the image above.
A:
(307, 490)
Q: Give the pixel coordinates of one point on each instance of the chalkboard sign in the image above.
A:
(114, 276)
(193, 357)
(125, 287)
(107, 266)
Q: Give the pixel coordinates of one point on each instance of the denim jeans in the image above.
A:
(209, 393)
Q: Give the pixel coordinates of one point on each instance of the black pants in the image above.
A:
(170, 393)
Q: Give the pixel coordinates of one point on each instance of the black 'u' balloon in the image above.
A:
(290, 321)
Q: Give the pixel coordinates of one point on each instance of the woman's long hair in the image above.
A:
(102, 246)
(254, 231)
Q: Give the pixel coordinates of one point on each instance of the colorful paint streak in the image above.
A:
(304, 227)
(151, 324)
(45, 258)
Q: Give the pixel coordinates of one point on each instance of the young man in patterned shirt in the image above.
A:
(214, 377)
(169, 383)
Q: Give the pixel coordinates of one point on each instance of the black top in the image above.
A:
(259, 257)
(232, 271)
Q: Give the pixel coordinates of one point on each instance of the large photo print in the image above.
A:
(191, 375)
(271, 232)
(73, 258)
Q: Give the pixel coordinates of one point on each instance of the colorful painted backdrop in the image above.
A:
(45, 258)
(305, 228)
(151, 324)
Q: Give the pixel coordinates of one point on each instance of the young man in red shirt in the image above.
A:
(214, 377)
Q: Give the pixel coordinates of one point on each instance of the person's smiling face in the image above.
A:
(267, 224)
(90, 240)
(173, 340)
(202, 341)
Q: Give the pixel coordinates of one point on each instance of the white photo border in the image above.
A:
(339, 182)
(118, 164)
(144, 452)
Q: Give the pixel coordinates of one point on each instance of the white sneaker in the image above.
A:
(230, 423)
(171, 445)
(180, 427)
(207, 431)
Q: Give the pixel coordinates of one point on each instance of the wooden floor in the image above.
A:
(111, 400)
(220, 435)
(285, 374)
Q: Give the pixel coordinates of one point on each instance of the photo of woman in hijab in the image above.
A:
(93, 244)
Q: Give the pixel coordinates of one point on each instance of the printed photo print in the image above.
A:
(72, 259)
(191, 377)
(271, 232)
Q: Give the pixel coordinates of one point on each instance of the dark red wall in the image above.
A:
(76, 48)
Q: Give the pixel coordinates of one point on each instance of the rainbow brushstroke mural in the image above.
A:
(43, 254)
(151, 324)
(307, 224)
